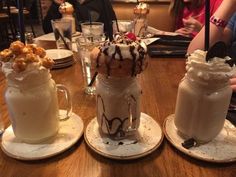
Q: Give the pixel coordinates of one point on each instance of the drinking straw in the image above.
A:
(90, 18)
(63, 39)
(207, 24)
(117, 25)
(93, 79)
(108, 20)
(21, 20)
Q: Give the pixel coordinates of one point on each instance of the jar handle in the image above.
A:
(66, 92)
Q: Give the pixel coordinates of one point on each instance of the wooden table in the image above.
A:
(159, 84)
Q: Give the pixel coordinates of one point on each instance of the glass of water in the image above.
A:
(94, 29)
(62, 29)
(85, 46)
(92, 36)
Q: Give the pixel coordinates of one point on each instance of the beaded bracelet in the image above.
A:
(218, 22)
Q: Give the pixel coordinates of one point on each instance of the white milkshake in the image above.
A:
(31, 95)
(203, 97)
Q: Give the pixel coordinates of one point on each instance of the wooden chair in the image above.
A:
(13, 11)
(27, 18)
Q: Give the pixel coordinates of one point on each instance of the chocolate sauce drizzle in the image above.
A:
(131, 49)
(119, 132)
(136, 64)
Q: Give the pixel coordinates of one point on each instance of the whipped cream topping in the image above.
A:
(25, 63)
(66, 8)
(33, 74)
(141, 8)
(142, 5)
(215, 70)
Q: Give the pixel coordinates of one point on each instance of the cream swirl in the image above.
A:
(25, 62)
(215, 70)
(141, 8)
(34, 73)
(66, 8)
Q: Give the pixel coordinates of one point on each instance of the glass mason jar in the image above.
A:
(201, 107)
(118, 105)
(33, 107)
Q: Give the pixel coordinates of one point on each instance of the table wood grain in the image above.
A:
(159, 84)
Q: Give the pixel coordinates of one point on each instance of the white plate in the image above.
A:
(63, 65)
(148, 138)
(59, 54)
(69, 133)
(221, 149)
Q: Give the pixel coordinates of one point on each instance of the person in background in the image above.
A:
(85, 10)
(190, 15)
(220, 30)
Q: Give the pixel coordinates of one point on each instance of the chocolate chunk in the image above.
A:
(219, 49)
(231, 62)
(189, 143)
(120, 143)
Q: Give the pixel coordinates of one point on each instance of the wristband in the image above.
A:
(218, 22)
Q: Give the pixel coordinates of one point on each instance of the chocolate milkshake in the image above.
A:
(118, 92)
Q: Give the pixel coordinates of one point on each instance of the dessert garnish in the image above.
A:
(187, 144)
(131, 36)
(20, 56)
(219, 49)
(124, 56)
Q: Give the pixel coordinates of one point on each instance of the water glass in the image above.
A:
(94, 29)
(62, 29)
(85, 46)
(122, 26)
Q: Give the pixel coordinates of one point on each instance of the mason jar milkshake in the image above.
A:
(117, 89)
(140, 19)
(203, 97)
(30, 95)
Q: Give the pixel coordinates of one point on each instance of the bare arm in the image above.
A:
(224, 12)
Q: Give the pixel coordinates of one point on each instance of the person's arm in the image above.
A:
(224, 12)
(191, 27)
